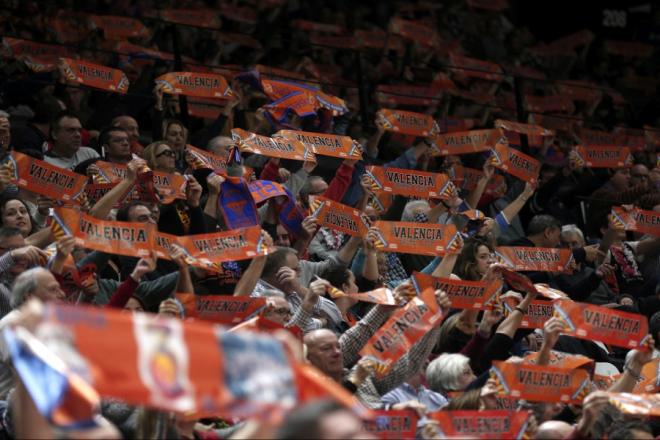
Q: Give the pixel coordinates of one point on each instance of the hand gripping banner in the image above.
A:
(399, 121)
(273, 147)
(476, 295)
(95, 75)
(596, 323)
(465, 142)
(520, 258)
(416, 238)
(202, 85)
(646, 405)
(339, 217)
(411, 183)
(45, 179)
(541, 383)
(325, 144)
(537, 313)
(638, 220)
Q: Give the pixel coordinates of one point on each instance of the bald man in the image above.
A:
(553, 429)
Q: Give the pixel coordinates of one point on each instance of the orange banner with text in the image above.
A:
(273, 147)
(201, 85)
(411, 183)
(325, 144)
(220, 309)
(477, 295)
(339, 217)
(416, 238)
(515, 163)
(95, 75)
(519, 258)
(638, 220)
(399, 121)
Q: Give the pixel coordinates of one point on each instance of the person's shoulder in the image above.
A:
(87, 152)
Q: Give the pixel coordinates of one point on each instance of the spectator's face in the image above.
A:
(48, 289)
(15, 215)
(371, 213)
(484, 259)
(141, 214)
(9, 244)
(130, 125)
(118, 146)
(221, 148)
(165, 158)
(466, 377)
(280, 311)
(342, 424)
(571, 240)
(67, 136)
(324, 352)
(282, 237)
(639, 175)
(175, 136)
(621, 179)
(133, 305)
(318, 187)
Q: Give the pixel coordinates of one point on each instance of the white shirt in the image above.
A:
(70, 163)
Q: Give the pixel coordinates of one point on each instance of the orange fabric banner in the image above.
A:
(560, 359)
(537, 313)
(119, 238)
(202, 159)
(393, 424)
(202, 85)
(273, 147)
(599, 138)
(382, 295)
(519, 127)
(522, 258)
(415, 31)
(325, 144)
(399, 121)
(465, 142)
(118, 27)
(220, 309)
(541, 383)
(596, 323)
(515, 163)
(404, 328)
(405, 94)
(580, 90)
(95, 75)
(489, 424)
(601, 157)
(48, 180)
(198, 17)
(650, 378)
(209, 250)
(416, 238)
(411, 183)
(475, 68)
(169, 186)
(478, 295)
(638, 220)
(313, 26)
(37, 56)
(337, 216)
(647, 405)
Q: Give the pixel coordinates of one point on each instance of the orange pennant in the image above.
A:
(95, 75)
(325, 144)
(490, 424)
(649, 381)
(43, 178)
(477, 295)
(339, 217)
(528, 129)
(393, 424)
(202, 85)
(638, 220)
(415, 31)
(382, 295)
(404, 94)
(198, 17)
(537, 313)
(118, 27)
(416, 238)
(119, 238)
(596, 323)
(647, 405)
(628, 48)
(580, 90)
(515, 163)
(560, 359)
(404, 328)
(464, 142)
(411, 183)
(475, 68)
(520, 258)
(601, 157)
(541, 383)
(549, 104)
(37, 56)
(273, 147)
(202, 159)
(416, 124)
(229, 310)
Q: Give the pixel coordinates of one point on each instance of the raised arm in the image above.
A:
(102, 208)
(249, 280)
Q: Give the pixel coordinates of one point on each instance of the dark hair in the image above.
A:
(8, 231)
(539, 223)
(337, 274)
(307, 188)
(122, 213)
(304, 422)
(55, 122)
(624, 430)
(104, 136)
(8, 198)
(276, 260)
(466, 263)
(654, 326)
(607, 417)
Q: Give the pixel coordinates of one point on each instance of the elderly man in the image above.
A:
(33, 283)
(67, 150)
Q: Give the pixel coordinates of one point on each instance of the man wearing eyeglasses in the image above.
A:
(67, 150)
(115, 145)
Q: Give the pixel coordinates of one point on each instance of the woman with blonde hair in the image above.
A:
(160, 157)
